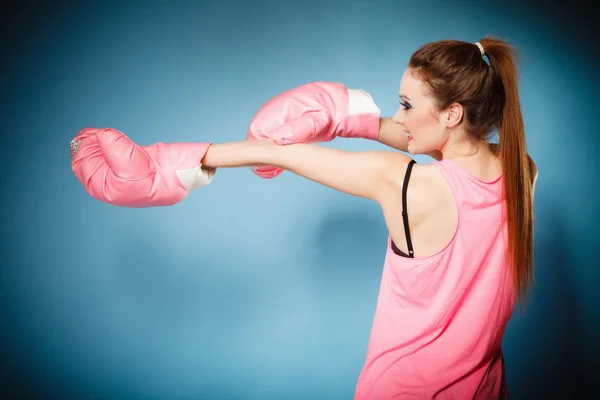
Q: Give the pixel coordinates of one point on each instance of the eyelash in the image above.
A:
(405, 105)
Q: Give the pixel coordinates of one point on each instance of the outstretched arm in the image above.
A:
(365, 174)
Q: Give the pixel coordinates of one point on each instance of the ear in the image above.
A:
(453, 115)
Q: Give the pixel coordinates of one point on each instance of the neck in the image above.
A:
(465, 148)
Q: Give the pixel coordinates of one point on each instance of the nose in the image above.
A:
(399, 116)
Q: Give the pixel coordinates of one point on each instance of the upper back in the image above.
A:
(441, 193)
(438, 197)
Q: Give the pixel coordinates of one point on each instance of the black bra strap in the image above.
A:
(404, 207)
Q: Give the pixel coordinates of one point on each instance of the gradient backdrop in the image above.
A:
(254, 289)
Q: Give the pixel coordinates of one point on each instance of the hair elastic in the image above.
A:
(480, 48)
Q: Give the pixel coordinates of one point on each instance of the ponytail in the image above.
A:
(518, 185)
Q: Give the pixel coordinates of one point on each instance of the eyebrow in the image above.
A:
(407, 98)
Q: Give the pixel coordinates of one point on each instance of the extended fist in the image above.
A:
(312, 113)
(116, 171)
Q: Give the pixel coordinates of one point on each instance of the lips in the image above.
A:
(409, 136)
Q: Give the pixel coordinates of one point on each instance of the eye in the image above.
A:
(406, 106)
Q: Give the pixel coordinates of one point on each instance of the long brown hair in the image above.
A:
(455, 72)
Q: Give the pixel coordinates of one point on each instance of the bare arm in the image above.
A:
(364, 174)
(393, 135)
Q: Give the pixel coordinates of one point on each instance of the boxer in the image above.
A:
(116, 171)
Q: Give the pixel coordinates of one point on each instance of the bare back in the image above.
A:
(431, 210)
(431, 207)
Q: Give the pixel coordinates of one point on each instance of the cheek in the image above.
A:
(420, 124)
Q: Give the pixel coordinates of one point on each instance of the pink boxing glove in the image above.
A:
(116, 171)
(314, 112)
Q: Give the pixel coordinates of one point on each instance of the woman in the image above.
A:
(460, 229)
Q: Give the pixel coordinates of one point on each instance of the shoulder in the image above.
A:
(426, 187)
(533, 169)
(422, 176)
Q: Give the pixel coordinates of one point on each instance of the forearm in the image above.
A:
(244, 153)
(392, 134)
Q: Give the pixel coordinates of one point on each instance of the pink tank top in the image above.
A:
(439, 322)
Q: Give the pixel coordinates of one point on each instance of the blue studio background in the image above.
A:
(255, 289)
